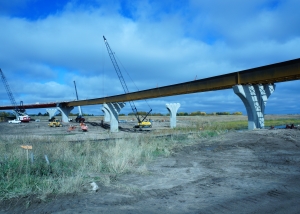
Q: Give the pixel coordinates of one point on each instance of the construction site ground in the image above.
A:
(236, 172)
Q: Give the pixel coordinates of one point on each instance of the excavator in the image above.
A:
(142, 121)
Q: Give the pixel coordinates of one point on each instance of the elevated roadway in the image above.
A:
(269, 74)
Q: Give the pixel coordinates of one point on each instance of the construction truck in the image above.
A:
(142, 122)
(55, 123)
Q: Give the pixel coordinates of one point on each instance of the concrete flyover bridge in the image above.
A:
(253, 86)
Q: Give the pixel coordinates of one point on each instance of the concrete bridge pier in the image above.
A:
(106, 115)
(51, 112)
(173, 108)
(65, 111)
(255, 99)
(114, 110)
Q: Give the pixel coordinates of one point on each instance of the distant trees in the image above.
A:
(182, 114)
(139, 113)
(5, 114)
(156, 114)
(87, 114)
(237, 113)
(198, 113)
(142, 113)
(222, 113)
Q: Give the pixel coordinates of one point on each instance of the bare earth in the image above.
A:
(237, 172)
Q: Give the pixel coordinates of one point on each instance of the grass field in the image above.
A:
(72, 165)
(57, 166)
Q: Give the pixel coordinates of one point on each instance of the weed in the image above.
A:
(73, 164)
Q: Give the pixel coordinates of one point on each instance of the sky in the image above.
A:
(47, 45)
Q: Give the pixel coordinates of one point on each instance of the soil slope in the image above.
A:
(237, 172)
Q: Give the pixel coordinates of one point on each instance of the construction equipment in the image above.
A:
(84, 127)
(19, 111)
(79, 118)
(55, 123)
(142, 122)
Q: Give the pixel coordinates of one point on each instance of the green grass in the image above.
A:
(239, 125)
(279, 122)
(74, 164)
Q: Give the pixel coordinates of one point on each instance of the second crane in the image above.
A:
(142, 122)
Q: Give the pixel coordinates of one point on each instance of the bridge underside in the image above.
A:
(269, 74)
(279, 72)
(253, 86)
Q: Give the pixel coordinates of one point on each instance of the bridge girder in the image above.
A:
(269, 74)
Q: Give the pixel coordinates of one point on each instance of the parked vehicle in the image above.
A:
(55, 123)
(14, 121)
(24, 118)
(79, 119)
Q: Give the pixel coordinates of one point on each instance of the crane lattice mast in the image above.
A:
(123, 83)
(9, 93)
(79, 108)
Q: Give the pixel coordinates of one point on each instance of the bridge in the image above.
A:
(253, 86)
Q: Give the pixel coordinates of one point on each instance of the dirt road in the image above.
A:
(237, 172)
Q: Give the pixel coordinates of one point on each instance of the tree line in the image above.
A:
(142, 113)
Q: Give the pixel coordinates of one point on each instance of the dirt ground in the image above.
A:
(237, 172)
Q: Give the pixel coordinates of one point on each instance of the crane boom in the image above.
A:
(18, 109)
(76, 90)
(123, 83)
(10, 95)
(79, 107)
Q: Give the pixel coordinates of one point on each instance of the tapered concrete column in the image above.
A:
(114, 110)
(106, 115)
(65, 111)
(173, 108)
(255, 99)
(51, 112)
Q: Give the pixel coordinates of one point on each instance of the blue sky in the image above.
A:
(46, 45)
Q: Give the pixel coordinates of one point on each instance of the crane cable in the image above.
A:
(130, 78)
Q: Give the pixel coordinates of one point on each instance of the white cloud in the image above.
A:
(157, 45)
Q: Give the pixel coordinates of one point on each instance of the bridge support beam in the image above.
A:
(255, 99)
(106, 114)
(65, 111)
(114, 110)
(51, 112)
(173, 108)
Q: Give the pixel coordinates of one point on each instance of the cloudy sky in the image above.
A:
(46, 45)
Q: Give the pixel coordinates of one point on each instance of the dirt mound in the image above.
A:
(237, 172)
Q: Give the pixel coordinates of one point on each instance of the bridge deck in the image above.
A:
(269, 74)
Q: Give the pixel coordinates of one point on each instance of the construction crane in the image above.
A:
(79, 118)
(18, 110)
(141, 120)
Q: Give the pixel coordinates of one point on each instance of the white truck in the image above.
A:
(14, 121)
